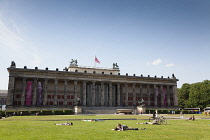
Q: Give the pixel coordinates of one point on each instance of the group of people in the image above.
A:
(64, 123)
(123, 128)
(152, 122)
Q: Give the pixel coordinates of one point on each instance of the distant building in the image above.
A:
(3, 97)
(88, 87)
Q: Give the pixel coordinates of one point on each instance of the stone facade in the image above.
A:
(96, 88)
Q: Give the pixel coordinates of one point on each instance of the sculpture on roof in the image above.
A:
(115, 66)
(73, 62)
(65, 69)
(13, 64)
(173, 76)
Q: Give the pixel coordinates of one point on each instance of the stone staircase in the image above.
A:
(102, 110)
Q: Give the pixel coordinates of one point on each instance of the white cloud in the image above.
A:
(8, 38)
(12, 41)
(157, 62)
(169, 65)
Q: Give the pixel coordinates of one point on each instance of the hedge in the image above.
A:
(166, 111)
(47, 112)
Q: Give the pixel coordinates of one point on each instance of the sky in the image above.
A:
(149, 37)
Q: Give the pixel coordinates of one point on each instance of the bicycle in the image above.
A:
(160, 120)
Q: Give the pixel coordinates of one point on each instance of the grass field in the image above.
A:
(42, 127)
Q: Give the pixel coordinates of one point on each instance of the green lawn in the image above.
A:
(42, 127)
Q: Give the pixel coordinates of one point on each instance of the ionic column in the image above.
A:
(134, 94)
(175, 95)
(168, 96)
(45, 91)
(106, 91)
(84, 94)
(11, 90)
(89, 94)
(65, 91)
(141, 93)
(148, 92)
(102, 94)
(23, 92)
(126, 94)
(162, 95)
(114, 90)
(93, 93)
(110, 94)
(118, 95)
(34, 91)
(55, 92)
(98, 100)
(155, 94)
(75, 92)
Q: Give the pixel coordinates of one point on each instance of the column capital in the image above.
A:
(24, 78)
(56, 82)
(67, 80)
(35, 79)
(56, 79)
(140, 86)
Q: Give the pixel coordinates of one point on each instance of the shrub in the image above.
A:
(24, 112)
(68, 112)
(33, 112)
(47, 112)
(58, 112)
(11, 113)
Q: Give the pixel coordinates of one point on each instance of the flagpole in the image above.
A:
(95, 62)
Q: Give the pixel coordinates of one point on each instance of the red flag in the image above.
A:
(96, 60)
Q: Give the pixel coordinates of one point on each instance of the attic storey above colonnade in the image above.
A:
(88, 86)
(68, 75)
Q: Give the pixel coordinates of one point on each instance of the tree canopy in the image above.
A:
(194, 95)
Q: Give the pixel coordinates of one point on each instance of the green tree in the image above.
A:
(205, 93)
(195, 95)
(183, 95)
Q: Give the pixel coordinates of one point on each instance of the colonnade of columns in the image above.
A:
(94, 93)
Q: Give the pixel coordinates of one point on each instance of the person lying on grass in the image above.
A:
(153, 122)
(123, 128)
(64, 123)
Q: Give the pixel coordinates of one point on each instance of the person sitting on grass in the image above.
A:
(191, 118)
(64, 123)
(123, 128)
(153, 122)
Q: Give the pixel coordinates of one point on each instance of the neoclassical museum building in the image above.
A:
(87, 87)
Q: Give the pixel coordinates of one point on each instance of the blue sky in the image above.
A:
(149, 37)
